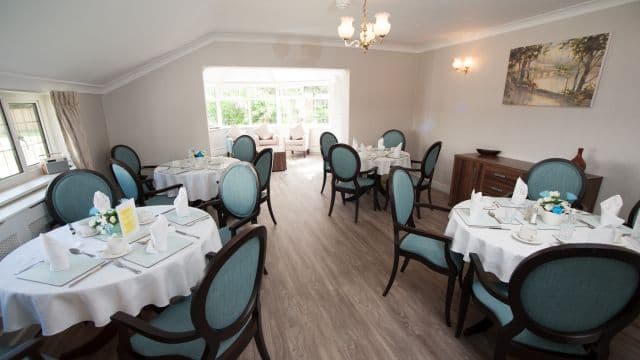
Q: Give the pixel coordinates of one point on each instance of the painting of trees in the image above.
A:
(555, 74)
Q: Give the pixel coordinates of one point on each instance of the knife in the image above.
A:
(88, 273)
(186, 234)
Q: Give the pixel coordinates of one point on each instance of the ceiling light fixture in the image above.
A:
(370, 33)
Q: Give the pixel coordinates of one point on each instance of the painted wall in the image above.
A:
(466, 112)
(93, 121)
(163, 113)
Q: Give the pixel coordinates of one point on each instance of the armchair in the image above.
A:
(298, 140)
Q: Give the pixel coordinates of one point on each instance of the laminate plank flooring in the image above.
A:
(323, 297)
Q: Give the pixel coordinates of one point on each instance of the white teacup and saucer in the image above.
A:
(117, 246)
(527, 234)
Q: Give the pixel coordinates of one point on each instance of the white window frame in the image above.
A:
(50, 131)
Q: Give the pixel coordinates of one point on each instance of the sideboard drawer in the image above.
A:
(501, 175)
(492, 187)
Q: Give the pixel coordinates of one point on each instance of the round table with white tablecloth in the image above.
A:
(199, 177)
(384, 160)
(108, 290)
(498, 251)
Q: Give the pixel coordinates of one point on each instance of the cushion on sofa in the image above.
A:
(297, 132)
(263, 132)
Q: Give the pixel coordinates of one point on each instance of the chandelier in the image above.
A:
(370, 33)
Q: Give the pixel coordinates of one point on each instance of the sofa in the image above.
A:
(263, 136)
(297, 140)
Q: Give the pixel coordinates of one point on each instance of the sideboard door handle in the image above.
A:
(495, 189)
(499, 175)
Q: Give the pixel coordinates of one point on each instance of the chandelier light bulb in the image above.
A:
(457, 63)
(468, 61)
(382, 26)
(346, 30)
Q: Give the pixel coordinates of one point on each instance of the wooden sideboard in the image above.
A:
(496, 176)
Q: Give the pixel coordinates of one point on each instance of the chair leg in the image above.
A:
(404, 264)
(447, 306)
(259, 338)
(418, 193)
(396, 258)
(357, 207)
(429, 194)
(465, 296)
(333, 199)
(324, 180)
(344, 198)
(271, 210)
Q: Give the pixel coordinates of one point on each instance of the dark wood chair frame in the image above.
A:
(144, 178)
(358, 190)
(142, 195)
(451, 271)
(28, 349)
(267, 187)
(419, 185)
(325, 158)
(580, 196)
(632, 214)
(404, 138)
(250, 318)
(252, 141)
(596, 341)
(49, 196)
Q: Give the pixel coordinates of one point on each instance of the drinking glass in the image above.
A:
(567, 230)
(509, 214)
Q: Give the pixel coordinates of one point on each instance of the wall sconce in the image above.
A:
(462, 66)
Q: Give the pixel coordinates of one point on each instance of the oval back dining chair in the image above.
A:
(567, 300)
(347, 178)
(244, 148)
(427, 168)
(393, 138)
(219, 319)
(633, 215)
(29, 349)
(556, 175)
(132, 187)
(263, 165)
(430, 249)
(238, 197)
(130, 157)
(327, 140)
(70, 195)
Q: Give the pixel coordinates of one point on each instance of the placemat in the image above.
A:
(144, 232)
(41, 273)
(140, 256)
(194, 215)
(483, 220)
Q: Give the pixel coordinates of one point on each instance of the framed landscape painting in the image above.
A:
(565, 73)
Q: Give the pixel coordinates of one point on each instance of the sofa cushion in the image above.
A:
(268, 142)
(234, 132)
(297, 132)
(263, 132)
(299, 142)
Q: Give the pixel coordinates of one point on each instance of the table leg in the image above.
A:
(481, 326)
(105, 335)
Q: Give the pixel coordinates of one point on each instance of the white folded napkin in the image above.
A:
(397, 150)
(57, 254)
(101, 201)
(609, 210)
(381, 144)
(520, 192)
(476, 208)
(181, 203)
(159, 231)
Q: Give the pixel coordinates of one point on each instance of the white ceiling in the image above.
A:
(97, 41)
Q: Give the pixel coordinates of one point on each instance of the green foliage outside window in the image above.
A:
(233, 113)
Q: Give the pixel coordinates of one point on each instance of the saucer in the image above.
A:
(106, 255)
(525, 241)
(90, 234)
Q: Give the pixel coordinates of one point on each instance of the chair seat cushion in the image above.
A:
(225, 235)
(295, 142)
(362, 181)
(503, 313)
(429, 249)
(159, 200)
(176, 318)
(268, 142)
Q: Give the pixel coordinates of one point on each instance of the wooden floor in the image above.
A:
(323, 297)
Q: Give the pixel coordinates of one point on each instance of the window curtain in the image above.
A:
(67, 110)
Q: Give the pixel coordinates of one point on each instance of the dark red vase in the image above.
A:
(578, 160)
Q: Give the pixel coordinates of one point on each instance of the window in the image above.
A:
(272, 104)
(23, 141)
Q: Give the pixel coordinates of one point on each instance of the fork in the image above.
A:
(119, 264)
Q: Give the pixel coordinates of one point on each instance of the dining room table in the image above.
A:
(199, 176)
(95, 288)
(383, 160)
(493, 236)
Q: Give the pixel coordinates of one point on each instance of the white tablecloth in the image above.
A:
(201, 184)
(499, 252)
(369, 159)
(104, 293)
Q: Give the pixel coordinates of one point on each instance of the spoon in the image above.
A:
(76, 251)
(119, 264)
(493, 215)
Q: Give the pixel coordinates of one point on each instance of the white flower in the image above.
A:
(548, 207)
(540, 201)
(113, 220)
(554, 194)
(548, 199)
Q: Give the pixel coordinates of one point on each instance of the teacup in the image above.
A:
(117, 245)
(528, 232)
(85, 230)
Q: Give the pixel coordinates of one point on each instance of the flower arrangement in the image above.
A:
(196, 154)
(106, 222)
(550, 201)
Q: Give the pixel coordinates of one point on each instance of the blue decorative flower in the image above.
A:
(571, 197)
(557, 209)
(544, 194)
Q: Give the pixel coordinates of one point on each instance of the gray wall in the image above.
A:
(466, 112)
(93, 121)
(162, 114)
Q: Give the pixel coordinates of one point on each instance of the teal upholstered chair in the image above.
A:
(565, 301)
(423, 180)
(393, 138)
(263, 165)
(556, 175)
(409, 242)
(70, 195)
(244, 148)
(217, 321)
(327, 140)
(633, 215)
(238, 198)
(132, 187)
(347, 178)
(29, 349)
(129, 156)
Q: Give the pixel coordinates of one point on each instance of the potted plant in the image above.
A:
(552, 208)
